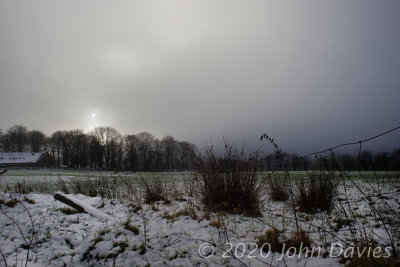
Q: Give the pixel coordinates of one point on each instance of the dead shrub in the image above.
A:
(316, 194)
(153, 190)
(231, 183)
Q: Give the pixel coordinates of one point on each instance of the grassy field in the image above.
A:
(50, 180)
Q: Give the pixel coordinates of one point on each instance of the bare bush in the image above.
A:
(232, 183)
(316, 194)
(154, 189)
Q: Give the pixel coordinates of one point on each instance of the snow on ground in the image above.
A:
(164, 234)
(83, 240)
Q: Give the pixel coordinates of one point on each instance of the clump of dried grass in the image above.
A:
(316, 193)
(232, 183)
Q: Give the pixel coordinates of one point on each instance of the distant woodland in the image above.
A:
(105, 148)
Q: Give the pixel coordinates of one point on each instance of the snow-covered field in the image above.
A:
(178, 233)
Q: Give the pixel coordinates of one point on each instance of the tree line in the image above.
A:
(106, 148)
(103, 148)
(365, 161)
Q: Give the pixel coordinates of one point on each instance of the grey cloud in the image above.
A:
(311, 73)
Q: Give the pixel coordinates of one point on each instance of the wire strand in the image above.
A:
(352, 143)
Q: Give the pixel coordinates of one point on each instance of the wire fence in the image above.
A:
(375, 193)
(360, 142)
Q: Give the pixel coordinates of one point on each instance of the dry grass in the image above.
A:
(316, 194)
(217, 223)
(68, 210)
(299, 240)
(187, 211)
(368, 259)
(11, 203)
(153, 190)
(231, 183)
(129, 227)
(277, 189)
(271, 240)
(30, 201)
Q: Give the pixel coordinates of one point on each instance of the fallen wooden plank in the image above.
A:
(3, 171)
(81, 206)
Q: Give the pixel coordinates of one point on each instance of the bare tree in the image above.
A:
(95, 152)
(37, 141)
(16, 139)
(55, 142)
(79, 149)
(170, 150)
(186, 155)
(158, 156)
(109, 138)
(146, 149)
(131, 151)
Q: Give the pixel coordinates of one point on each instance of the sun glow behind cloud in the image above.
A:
(201, 69)
(91, 120)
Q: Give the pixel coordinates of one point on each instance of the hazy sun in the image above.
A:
(93, 115)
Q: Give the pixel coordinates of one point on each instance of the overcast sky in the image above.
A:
(310, 73)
